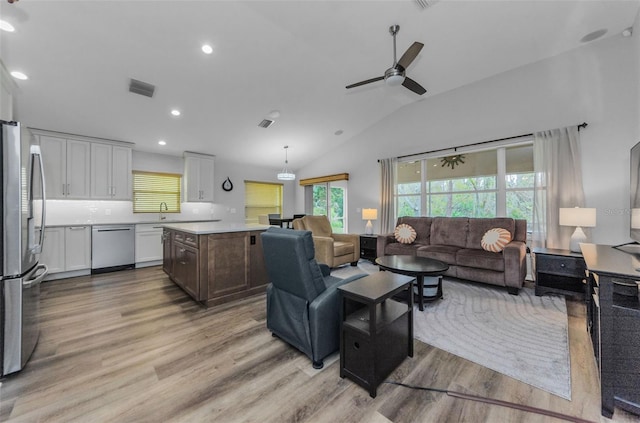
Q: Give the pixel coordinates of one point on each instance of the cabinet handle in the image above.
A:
(77, 228)
(183, 262)
(68, 190)
(63, 193)
(562, 265)
(182, 250)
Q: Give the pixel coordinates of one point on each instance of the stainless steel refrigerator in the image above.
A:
(22, 190)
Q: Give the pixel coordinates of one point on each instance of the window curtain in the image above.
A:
(558, 183)
(387, 198)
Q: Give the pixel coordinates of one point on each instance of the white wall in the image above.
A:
(596, 83)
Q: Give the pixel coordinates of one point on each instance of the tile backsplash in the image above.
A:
(72, 212)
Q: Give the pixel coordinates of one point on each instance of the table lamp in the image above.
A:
(369, 215)
(578, 217)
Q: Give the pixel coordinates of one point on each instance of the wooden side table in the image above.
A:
(368, 246)
(560, 272)
(378, 336)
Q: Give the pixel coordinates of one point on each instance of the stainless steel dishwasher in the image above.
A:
(112, 247)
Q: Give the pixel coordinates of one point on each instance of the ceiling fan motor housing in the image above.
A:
(394, 76)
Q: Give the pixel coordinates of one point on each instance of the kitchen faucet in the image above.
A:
(162, 217)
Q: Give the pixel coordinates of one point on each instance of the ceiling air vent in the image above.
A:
(142, 88)
(426, 3)
(265, 123)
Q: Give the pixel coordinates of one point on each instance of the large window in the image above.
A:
(330, 199)
(261, 198)
(497, 182)
(151, 191)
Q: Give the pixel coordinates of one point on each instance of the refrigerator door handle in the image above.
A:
(35, 151)
(35, 278)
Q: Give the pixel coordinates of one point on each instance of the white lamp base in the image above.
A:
(368, 229)
(577, 237)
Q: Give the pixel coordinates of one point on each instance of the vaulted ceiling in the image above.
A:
(294, 57)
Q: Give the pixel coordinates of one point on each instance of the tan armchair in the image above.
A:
(331, 249)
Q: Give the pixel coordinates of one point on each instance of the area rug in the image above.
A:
(524, 336)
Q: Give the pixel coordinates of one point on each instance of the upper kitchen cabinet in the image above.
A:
(110, 172)
(66, 167)
(198, 177)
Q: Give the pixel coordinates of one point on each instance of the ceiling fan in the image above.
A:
(395, 75)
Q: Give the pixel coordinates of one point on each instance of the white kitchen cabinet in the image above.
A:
(77, 246)
(66, 167)
(198, 177)
(148, 243)
(67, 248)
(110, 172)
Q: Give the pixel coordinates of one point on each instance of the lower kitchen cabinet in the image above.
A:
(149, 244)
(215, 268)
(67, 249)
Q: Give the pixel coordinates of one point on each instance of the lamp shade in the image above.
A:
(369, 214)
(577, 216)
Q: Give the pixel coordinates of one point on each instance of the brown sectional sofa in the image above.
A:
(456, 241)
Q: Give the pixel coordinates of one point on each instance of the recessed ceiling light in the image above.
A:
(207, 49)
(19, 75)
(161, 142)
(627, 32)
(175, 112)
(6, 26)
(593, 35)
(338, 132)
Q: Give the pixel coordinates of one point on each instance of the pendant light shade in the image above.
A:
(286, 175)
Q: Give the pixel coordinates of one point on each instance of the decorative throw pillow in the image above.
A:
(495, 239)
(404, 234)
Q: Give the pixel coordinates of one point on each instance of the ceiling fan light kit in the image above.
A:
(396, 75)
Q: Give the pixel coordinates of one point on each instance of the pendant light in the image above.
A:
(286, 175)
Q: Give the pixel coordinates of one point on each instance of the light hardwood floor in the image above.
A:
(132, 347)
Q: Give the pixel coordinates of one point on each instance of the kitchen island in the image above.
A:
(215, 262)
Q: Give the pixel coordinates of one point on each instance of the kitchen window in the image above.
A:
(261, 198)
(152, 190)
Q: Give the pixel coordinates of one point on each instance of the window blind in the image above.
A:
(261, 198)
(151, 189)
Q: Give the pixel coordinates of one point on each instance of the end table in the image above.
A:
(560, 272)
(368, 246)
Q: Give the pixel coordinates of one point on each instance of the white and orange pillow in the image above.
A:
(495, 239)
(404, 234)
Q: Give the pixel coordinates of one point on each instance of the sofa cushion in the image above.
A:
(444, 253)
(397, 249)
(495, 239)
(478, 227)
(422, 226)
(404, 234)
(480, 259)
(451, 231)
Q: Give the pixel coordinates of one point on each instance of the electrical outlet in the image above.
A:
(233, 211)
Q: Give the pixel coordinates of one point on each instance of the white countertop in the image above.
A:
(148, 222)
(203, 228)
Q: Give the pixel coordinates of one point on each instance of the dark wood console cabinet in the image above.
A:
(614, 322)
(215, 268)
(368, 245)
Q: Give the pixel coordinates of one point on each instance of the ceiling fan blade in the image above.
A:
(413, 86)
(409, 55)
(368, 81)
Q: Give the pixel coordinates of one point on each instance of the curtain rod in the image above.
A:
(582, 125)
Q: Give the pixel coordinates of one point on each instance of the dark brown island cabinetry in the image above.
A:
(215, 268)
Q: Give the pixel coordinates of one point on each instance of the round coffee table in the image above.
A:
(418, 267)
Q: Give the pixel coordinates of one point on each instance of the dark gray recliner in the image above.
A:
(303, 302)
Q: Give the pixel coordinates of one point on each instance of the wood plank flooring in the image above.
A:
(132, 347)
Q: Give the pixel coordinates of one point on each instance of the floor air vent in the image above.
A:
(265, 123)
(142, 88)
